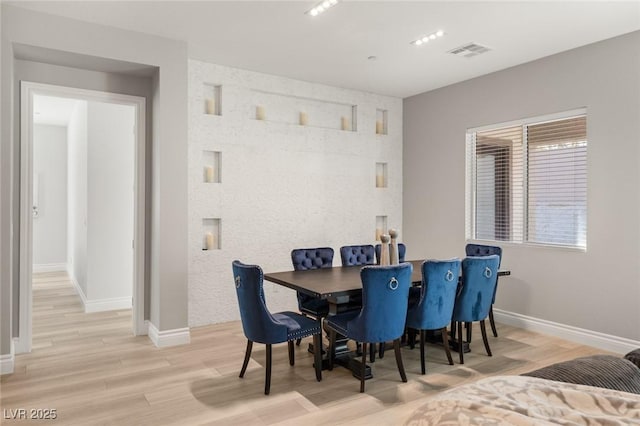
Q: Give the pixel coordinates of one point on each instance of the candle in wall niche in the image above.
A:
(379, 180)
(211, 106)
(304, 119)
(208, 174)
(344, 123)
(379, 127)
(378, 234)
(209, 241)
(260, 115)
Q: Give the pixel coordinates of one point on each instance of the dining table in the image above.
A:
(337, 285)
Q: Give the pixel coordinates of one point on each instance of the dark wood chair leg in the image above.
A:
(483, 328)
(445, 343)
(412, 337)
(422, 366)
(292, 354)
(469, 327)
(372, 352)
(364, 366)
(317, 355)
(453, 330)
(460, 344)
(267, 377)
(332, 347)
(381, 350)
(492, 322)
(247, 357)
(396, 348)
(298, 342)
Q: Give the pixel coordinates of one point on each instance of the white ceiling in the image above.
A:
(52, 110)
(332, 48)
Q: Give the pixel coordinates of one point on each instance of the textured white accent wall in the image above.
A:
(282, 185)
(50, 170)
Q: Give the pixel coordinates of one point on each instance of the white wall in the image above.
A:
(596, 290)
(50, 170)
(110, 160)
(283, 186)
(77, 195)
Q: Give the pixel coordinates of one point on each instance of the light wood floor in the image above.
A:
(93, 371)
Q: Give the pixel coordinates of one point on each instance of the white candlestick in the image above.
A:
(344, 123)
(379, 181)
(304, 119)
(211, 106)
(379, 127)
(260, 114)
(208, 172)
(209, 240)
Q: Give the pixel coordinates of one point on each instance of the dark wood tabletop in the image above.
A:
(333, 282)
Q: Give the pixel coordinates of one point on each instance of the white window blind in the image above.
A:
(527, 182)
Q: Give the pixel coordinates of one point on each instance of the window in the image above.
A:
(527, 181)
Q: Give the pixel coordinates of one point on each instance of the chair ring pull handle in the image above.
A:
(449, 276)
(487, 272)
(393, 283)
(238, 281)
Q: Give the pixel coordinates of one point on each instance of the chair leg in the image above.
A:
(332, 347)
(317, 355)
(460, 345)
(445, 343)
(453, 330)
(292, 354)
(298, 342)
(492, 322)
(372, 352)
(412, 337)
(247, 357)
(381, 350)
(422, 366)
(484, 337)
(396, 348)
(364, 366)
(267, 377)
(469, 327)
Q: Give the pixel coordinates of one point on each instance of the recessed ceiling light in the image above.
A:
(425, 39)
(322, 6)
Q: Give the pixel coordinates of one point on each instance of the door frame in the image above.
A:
(28, 89)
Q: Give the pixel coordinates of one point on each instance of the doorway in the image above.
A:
(105, 244)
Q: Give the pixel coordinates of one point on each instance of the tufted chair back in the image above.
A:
(479, 278)
(312, 258)
(439, 288)
(357, 255)
(257, 322)
(402, 251)
(385, 290)
(482, 250)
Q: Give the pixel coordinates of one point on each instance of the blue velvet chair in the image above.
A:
(357, 255)
(483, 250)
(437, 298)
(402, 251)
(261, 326)
(479, 277)
(385, 290)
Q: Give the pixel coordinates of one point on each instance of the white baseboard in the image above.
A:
(7, 361)
(596, 339)
(165, 338)
(100, 305)
(49, 267)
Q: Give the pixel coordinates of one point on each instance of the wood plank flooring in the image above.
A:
(92, 370)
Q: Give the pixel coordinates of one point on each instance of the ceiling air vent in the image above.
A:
(469, 50)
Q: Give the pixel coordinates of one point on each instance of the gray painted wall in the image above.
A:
(598, 289)
(167, 183)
